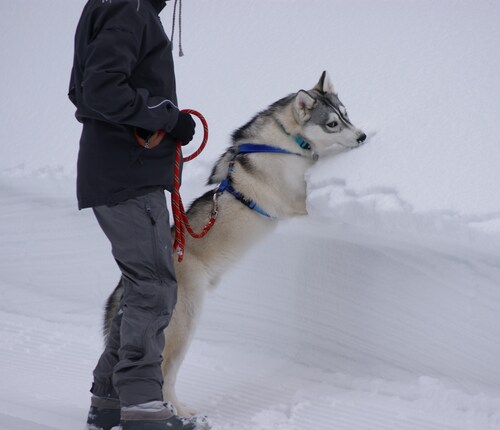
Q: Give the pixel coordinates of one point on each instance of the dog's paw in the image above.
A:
(171, 407)
(185, 411)
(199, 422)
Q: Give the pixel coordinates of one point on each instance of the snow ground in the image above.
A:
(358, 329)
(380, 310)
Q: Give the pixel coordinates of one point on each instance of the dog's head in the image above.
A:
(323, 119)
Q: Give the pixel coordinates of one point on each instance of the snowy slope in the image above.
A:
(358, 329)
(380, 310)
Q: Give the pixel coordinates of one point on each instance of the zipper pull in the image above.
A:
(148, 211)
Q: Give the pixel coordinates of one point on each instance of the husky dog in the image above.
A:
(259, 181)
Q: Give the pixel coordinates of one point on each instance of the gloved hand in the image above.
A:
(184, 129)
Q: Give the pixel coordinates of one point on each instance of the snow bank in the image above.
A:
(375, 303)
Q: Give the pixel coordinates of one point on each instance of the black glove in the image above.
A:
(184, 129)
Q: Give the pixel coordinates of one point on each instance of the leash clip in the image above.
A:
(215, 209)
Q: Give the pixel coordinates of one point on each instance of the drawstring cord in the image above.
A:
(181, 52)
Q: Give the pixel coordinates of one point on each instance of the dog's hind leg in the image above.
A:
(180, 331)
(112, 306)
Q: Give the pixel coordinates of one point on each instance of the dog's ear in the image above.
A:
(325, 84)
(302, 106)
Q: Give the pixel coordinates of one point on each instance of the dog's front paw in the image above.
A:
(180, 409)
(185, 411)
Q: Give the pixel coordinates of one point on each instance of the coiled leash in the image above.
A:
(181, 222)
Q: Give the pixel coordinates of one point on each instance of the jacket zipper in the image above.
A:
(150, 215)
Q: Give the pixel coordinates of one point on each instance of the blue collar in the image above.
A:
(302, 143)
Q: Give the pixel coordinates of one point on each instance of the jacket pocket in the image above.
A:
(158, 256)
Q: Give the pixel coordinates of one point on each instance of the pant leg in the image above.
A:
(103, 373)
(139, 233)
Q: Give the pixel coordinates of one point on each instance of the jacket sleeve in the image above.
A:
(109, 61)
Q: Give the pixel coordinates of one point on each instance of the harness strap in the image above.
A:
(252, 148)
(225, 185)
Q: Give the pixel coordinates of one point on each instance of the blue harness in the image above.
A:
(252, 148)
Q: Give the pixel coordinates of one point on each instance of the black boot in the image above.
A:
(104, 414)
(173, 423)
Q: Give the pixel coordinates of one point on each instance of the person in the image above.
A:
(123, 86)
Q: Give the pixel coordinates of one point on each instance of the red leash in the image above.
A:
(181, 221)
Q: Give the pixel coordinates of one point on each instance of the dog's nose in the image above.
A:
(362, 138)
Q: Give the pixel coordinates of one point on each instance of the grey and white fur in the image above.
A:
(275, 181)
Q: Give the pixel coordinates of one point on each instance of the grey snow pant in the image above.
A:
(139, 232)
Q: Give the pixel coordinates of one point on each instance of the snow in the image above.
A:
(378, 310)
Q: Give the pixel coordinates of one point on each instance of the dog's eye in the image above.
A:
(332, 124)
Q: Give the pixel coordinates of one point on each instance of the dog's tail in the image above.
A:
(111, 309)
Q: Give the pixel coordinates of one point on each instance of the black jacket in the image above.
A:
(122, 78)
